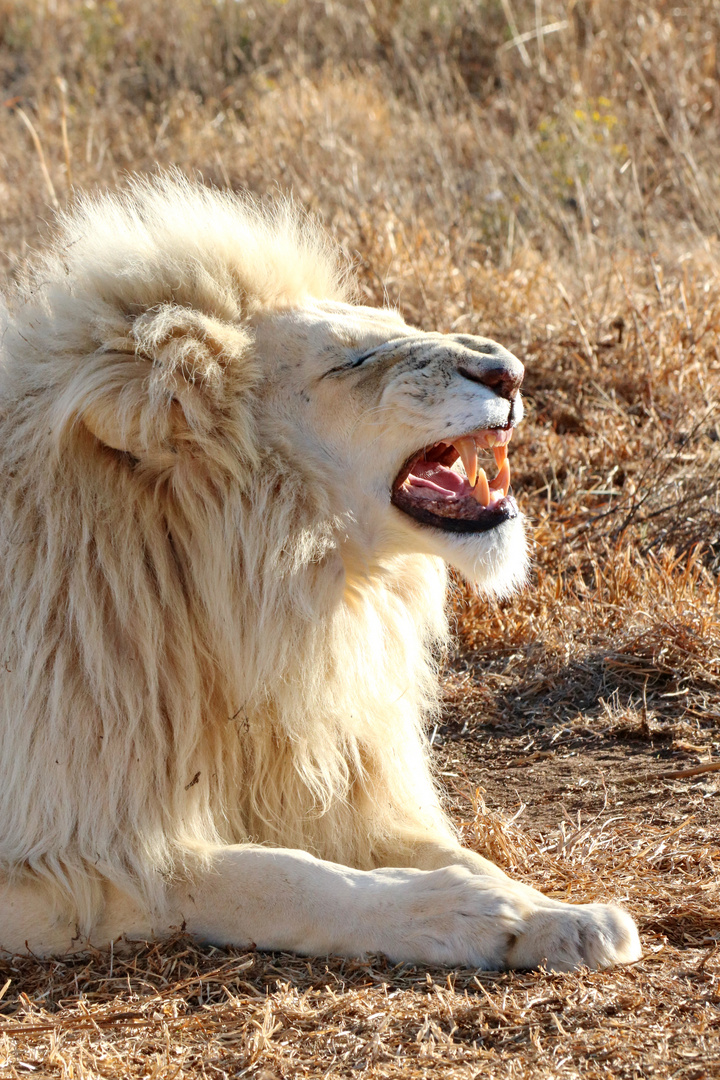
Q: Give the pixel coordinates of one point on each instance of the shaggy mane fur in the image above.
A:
(191, 654)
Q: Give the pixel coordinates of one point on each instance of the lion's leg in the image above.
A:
(431, 852)
(560, 934)
(282, 899)
(36, 918)
(31, 919)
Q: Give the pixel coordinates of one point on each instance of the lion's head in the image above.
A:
(409, 430)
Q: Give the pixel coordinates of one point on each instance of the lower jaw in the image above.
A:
(473, 521)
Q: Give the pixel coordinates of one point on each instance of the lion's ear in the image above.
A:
(187, 347)
(188, 371)
(112, 411)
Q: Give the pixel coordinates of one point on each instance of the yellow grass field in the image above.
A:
(546, 173)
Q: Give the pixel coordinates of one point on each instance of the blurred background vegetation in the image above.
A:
(567, 128)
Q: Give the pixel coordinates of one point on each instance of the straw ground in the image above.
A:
(543, 173)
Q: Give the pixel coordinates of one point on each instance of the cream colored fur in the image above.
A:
(220, 639)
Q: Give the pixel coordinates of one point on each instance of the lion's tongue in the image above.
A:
(434, 478)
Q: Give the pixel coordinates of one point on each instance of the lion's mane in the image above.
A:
(196, 648)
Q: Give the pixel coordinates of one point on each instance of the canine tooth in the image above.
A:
(467, 450)
(502, 480)
(481, 490)
(500, 454)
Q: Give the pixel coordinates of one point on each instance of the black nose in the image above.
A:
(503, 382)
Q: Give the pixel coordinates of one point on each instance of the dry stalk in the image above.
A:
(673, 774)
(62, 87)
(41, 155)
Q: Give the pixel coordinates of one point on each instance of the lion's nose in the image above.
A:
(488, 363)
(503, 382)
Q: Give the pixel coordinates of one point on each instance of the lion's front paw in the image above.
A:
(452, 916)
(567, 936)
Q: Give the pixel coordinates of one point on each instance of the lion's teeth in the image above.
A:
(502, 480)
(490, 438)
(481, 490)
(467, 450)
(500, 453)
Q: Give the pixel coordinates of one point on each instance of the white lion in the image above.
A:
(227, 500)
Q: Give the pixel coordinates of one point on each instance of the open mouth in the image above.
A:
(446, 487)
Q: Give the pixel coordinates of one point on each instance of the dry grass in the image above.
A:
(175, 1010)
(543, 172)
